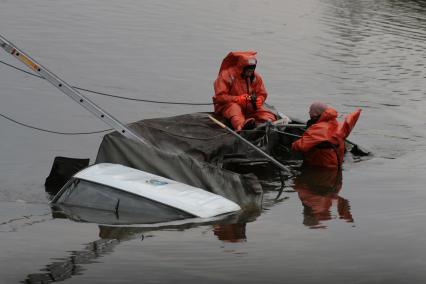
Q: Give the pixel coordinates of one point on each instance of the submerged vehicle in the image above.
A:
(120, 189)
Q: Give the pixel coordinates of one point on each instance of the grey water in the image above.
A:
(367, 54)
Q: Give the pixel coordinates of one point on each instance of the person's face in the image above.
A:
(248, 71)
(311, 113)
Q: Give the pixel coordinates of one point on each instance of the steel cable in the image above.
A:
(51, 131)
(110, 95)
(89, 91)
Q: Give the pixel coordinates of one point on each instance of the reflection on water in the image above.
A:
(367, 53)
(66, 267)
(230, 228)
(319, 189)
(374, 52)
(232, 233)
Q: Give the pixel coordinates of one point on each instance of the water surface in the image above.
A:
(367, 54)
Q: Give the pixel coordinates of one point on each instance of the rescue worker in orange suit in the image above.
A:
(239, 91)
(323, 143)
(318, 189)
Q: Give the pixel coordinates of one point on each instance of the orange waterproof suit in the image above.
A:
(323, 143)
(230, 85)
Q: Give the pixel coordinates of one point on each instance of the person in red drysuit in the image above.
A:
(239, 91)
(323, 143)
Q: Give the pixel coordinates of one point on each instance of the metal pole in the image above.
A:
(275, 162)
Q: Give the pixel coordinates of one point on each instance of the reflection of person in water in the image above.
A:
(318, 189)
(231, 233)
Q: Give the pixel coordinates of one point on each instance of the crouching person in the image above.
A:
(239, 91)
(323, 143)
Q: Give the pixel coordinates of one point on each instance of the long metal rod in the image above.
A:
(69, 91)
(275, 162)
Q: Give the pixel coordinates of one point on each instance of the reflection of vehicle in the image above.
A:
(318, 189)
(77, 262)
(116, 189)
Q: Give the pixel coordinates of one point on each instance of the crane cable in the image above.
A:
(89, 91)
(110, 95)
(51, 131)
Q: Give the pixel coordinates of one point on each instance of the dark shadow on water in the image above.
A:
(64, 268)
(318, 190)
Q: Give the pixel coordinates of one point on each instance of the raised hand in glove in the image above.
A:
(242, 99)
(259, 102)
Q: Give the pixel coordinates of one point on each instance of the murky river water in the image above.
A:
(368, 54)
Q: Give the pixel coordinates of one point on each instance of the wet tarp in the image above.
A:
(188, 148)
(62, 170)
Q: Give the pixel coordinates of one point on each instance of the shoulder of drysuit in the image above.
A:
(315, 134)
(257, 78)
(329, 114)
(317, 131)
(228, 75)
(325, 126)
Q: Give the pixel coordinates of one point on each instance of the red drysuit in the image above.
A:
(231, 87)
(327, 129)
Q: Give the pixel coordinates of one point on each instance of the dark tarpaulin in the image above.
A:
(187, 148)
(62, 170)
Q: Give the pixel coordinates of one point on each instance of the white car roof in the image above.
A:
(195, 201)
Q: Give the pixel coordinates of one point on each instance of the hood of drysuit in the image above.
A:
(328, 114)
(238, 60)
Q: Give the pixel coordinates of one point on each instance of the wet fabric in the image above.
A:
(187, 148)
(63, 169)
(323, 143)
(238, 98)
